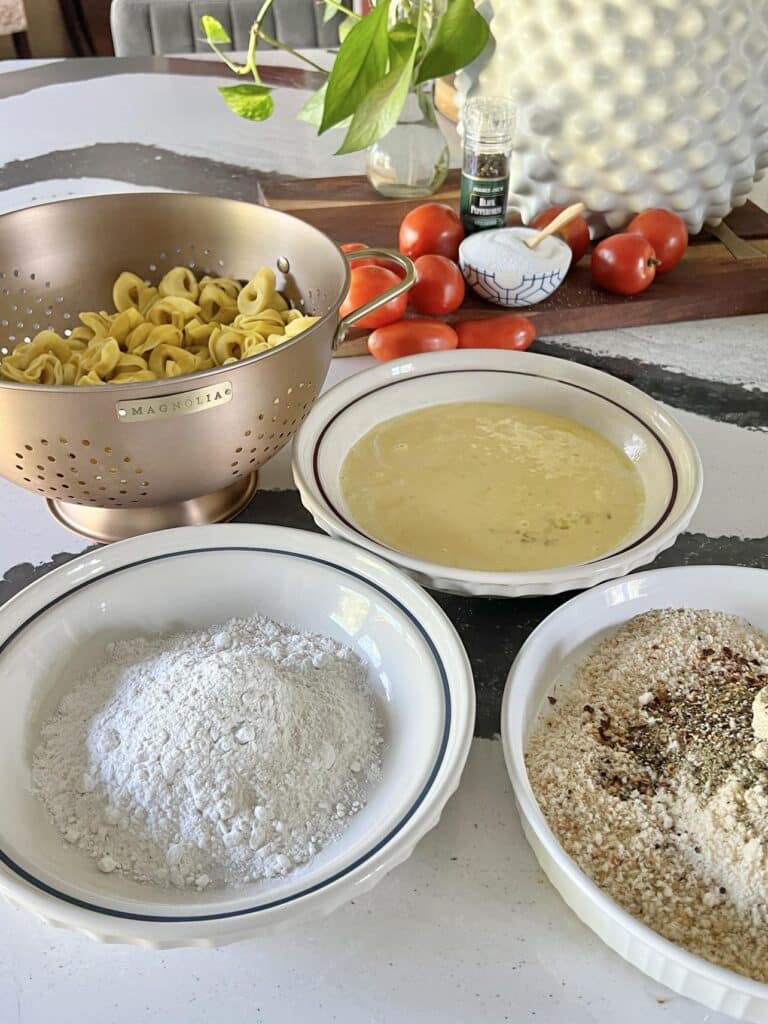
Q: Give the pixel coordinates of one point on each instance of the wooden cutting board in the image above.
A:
(710, 281)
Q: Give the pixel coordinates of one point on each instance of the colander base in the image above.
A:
(110, 524)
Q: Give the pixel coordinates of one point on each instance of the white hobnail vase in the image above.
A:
(627, 106)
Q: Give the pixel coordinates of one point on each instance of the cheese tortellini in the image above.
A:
(181, 326)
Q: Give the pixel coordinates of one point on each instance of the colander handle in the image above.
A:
(390, 254)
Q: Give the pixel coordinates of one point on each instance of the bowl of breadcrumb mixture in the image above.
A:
(648, 759)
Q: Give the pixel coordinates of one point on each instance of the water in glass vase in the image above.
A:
(411, 160)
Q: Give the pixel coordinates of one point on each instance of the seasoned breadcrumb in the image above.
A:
(648, 771)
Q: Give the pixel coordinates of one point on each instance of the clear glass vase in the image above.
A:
(412, 159)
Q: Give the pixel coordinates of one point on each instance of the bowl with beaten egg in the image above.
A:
(497, 473)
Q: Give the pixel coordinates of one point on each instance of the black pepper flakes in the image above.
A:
(702, 719)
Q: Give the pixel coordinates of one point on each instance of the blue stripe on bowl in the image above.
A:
(161, 919)
(526, 291)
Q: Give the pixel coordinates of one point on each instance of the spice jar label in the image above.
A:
(483, 202)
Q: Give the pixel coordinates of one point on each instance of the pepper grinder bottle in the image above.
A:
(488, 123)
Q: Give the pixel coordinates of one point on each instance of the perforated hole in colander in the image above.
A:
(279, 437)
(95, 480)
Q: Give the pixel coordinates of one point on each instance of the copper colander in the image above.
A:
(118, 460)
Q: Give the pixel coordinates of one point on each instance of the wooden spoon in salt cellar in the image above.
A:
(564, 217)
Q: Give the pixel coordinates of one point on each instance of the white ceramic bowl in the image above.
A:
(664, 455)
(501, 270)
(199, 576)
(550, 654)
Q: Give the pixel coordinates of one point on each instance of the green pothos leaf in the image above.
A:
(360, 63)
(312, 110)
(250, 101)
(346, 27)
(380, 109)
(214, 31)
(402, 36)
(461, 35)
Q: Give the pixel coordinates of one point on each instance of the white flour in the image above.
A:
(211, 757)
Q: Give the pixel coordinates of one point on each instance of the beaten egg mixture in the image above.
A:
(492, 486)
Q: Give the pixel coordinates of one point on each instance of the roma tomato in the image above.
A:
(667, 234)
(432, 229)
(510, 332)
(624, 264)
(410, 337)
(439, 286)
(575, 233)
(372, 261)
(366, 284)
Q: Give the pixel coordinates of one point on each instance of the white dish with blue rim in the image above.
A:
(664, 456)
(545, 664)
(200, 576)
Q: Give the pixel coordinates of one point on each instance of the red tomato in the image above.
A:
(667, 234)
(410, 337)
(510, 331)
(366, 284)
(575, 234)
(624, 264)
(439, 286)
(432, 229)
(372, 261)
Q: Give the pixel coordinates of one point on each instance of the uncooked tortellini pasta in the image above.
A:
(181, 326)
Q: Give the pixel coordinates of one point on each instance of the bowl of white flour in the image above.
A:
(214, 731)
